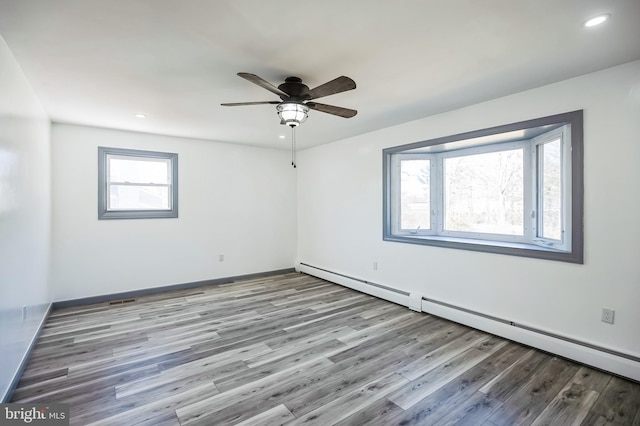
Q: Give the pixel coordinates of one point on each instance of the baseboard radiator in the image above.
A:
(611, 360)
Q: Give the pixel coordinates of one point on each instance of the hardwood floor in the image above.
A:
(293, 349)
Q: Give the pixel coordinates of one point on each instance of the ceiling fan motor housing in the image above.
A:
(294, 87)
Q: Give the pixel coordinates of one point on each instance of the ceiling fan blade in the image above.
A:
(262, 83)
(251, 103)
(330, 109)
(337, 85)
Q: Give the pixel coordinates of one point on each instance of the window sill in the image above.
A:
(137, 214)
(486, 246)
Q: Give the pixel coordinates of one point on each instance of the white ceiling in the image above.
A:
(99, 62)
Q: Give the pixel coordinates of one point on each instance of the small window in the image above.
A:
(135, 184)
(514, 189)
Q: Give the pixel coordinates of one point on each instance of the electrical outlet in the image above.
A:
(608, 315)
(375, 266)
(221, 258)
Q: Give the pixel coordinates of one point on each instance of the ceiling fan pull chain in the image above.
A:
(293, 146)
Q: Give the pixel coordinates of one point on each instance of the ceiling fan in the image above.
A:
(297, 98)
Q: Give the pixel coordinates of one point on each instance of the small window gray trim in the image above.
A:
(575, 119)
(103, 213)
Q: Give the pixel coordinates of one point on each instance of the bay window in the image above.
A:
(514, 189)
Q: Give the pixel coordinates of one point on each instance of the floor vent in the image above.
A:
(121, 302)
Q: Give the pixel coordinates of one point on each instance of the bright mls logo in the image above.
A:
(34, 414)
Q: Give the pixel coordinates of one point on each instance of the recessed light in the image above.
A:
(281, 136)
(141, 116)
(597, 20)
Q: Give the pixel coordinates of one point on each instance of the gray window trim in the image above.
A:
(103, 213)
(575, 255)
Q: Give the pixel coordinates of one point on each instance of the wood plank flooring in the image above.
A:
(294, 349)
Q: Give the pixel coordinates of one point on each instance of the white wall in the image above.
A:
(238, 201)
(340, 217)
(25, 215)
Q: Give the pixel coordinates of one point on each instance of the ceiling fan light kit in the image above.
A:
(292, 113)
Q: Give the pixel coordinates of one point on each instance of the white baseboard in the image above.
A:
(625, 365)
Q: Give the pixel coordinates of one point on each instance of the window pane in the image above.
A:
(415, 200)
(131, 197)
(551, 184)
(138, 170)
(485, 193)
